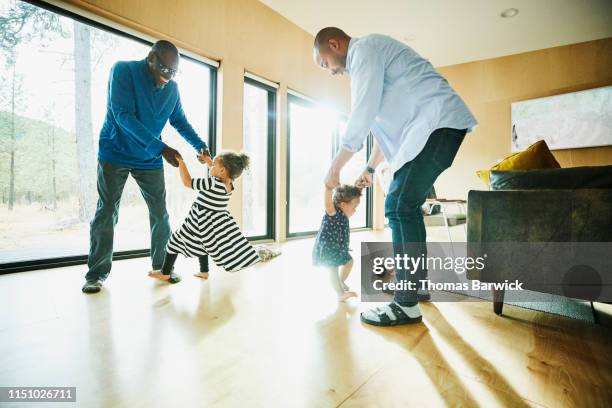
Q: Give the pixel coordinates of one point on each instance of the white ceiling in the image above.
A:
(455, 31)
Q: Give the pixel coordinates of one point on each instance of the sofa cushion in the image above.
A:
(536, 156)
(552, 179)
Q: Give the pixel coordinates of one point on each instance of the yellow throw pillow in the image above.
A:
(536, 156)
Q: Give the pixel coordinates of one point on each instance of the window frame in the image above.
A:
(271, 160)
(72, 260)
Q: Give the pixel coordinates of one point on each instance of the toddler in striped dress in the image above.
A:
(209, 229)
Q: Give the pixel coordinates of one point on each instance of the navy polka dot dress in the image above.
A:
(331, 246)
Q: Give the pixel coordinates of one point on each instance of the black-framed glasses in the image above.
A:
(166, 71)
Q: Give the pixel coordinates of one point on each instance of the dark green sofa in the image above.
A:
(552, 205)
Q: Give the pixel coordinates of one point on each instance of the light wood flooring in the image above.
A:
(274, 336)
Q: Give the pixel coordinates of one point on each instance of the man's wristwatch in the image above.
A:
(370, 170)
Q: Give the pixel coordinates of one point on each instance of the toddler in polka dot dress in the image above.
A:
(331, 249)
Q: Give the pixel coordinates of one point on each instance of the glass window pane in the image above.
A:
(49, 126)
(311, 133)
(193, 80)
(255, 181)
(308, 121)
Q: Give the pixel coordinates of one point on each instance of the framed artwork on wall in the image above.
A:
(567, 121)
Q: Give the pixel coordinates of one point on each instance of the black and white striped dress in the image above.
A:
(209, 229)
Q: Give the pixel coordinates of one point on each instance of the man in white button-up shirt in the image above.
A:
(418, 122)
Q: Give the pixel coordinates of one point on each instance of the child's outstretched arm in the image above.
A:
(185, 176)
(330, 209)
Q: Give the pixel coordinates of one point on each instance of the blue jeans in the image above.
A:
(407, 193)
(111, 180)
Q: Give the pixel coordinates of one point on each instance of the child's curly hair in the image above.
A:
(235, 163)
(345, 193)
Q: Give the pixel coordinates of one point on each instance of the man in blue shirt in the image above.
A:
(142, 97)
(418, 123)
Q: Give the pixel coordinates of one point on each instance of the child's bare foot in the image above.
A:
(172, 278)
(159, 275)
(346, 295)
(203, 275)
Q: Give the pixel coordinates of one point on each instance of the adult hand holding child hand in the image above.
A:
(169, 154)
(332, 179)
(204, 157)
(364, 180)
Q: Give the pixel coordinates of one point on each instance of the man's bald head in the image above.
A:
(329, 33)
(330, 49)
(165, 47)
(163, 62)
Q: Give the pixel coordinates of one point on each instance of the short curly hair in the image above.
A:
(345, 194)
(235, 163)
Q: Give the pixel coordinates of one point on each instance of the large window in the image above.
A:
(258, 183)
(312, 141)
(53, 96)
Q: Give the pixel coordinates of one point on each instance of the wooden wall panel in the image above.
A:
(490, 86)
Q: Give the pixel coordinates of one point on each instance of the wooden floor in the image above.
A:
(274, 336)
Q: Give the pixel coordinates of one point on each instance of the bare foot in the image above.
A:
(159, 275)
(203, 275)
(346, 295)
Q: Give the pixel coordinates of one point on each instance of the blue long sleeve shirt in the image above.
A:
(398, 96)
(137, 112)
